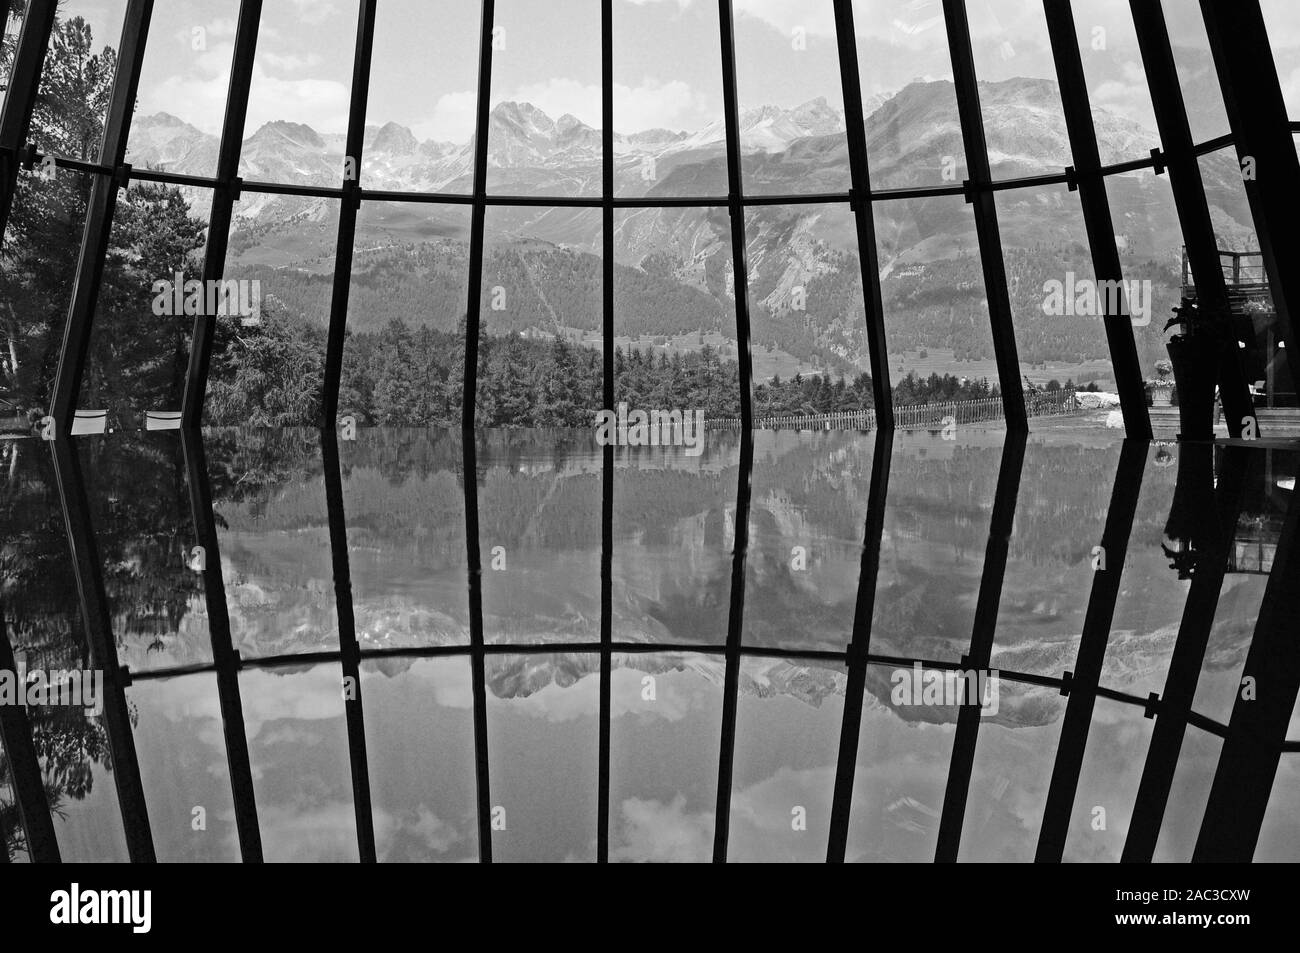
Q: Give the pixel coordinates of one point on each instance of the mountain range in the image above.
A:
(913, 139)
(527, 150)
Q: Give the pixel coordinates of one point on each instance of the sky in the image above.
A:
(667, 70)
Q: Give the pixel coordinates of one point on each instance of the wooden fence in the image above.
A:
(913, 416)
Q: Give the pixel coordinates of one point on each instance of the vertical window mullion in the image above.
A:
(478, 217)
(859, 646)
(349, 648)
(864, 214)
(224, 658)
(981, 197)
(740, 285)
(469, 476)
(1180, 158)
(1252, 96)
(607, 452)
(348, 213)
(736, 208)
(1096, 214)
(25, 768)
(97, 618)
(20, 98)
(478, 666)
(983, 630)
(1188, 657)
(223, 202)
(99, 216)
(735, 618)
(1252, 747)
(1076, 723)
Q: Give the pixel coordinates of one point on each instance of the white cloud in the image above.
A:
(653, 831)
(314, 11)
(785, 16)
(815, 19)
(197, 96)
(288, 62)
(652, 105)
(452, 119)
(1282, 19)
(320, 103)
(558, 96)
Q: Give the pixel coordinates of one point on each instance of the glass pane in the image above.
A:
(1151, 599)
(540, 361)
(182, 754)
(1255, 540)
(420, 751)
(932, 553)
(909, 101)
(788, 721)
(77, 79)
(42, 618)
(298, 102)
(1234, 225)
(670, 136)
(139, 503)
(1282, 18)
(420, 111)
(181, 102)
(75, 761)
(1057, 305)
(404, 360)
(539, 535)
(791, 101)
(1113, 761)
(268, 494)
(1196, 73)
(936, 313)
(806, 308)
(674, 312)
(806, 518)
(1150, 241)
(144, 315)
(1230, 638)
(1065, 491)
(1122, 114)
(1024, 123)
(268, 367)
(904, 751)
(405, 509)
(1014, 757)
(298, 748)
(1279, 837)
(1198, 759)
(664, 740)
(42, 242)
(674, 531)
(1293, 729)
(11, 25)
(544, 130)
(542, 752)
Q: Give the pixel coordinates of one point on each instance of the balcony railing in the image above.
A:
(1242, 270)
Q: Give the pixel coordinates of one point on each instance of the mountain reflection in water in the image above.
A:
(334, 650)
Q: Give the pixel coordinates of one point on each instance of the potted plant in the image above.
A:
(1194, 354)
(1162, 387)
